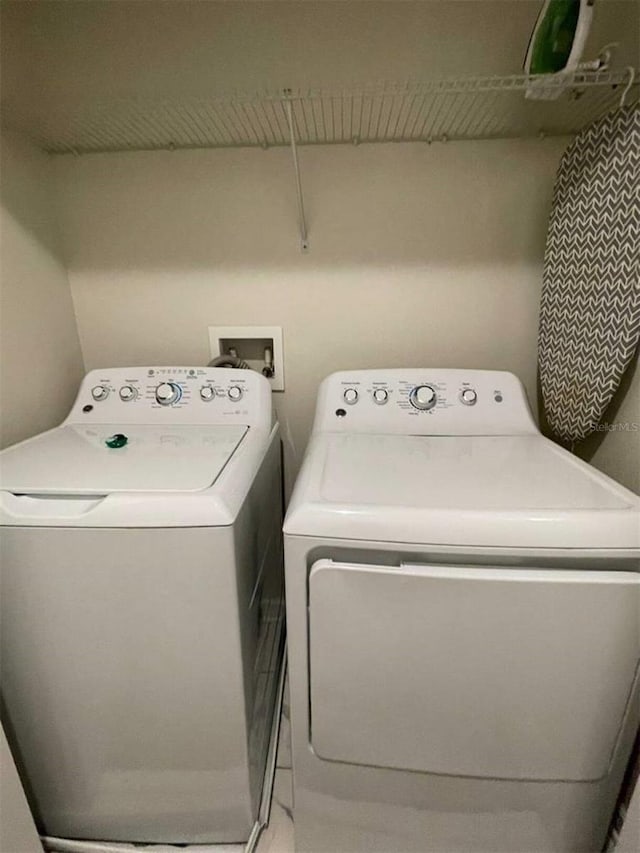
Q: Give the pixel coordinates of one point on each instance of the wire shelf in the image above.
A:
(446, 109)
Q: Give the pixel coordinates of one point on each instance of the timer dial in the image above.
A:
(423, 397)
(168, 393)
(99, 392)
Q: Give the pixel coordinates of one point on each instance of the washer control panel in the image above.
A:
(179, 395)
(424, 401)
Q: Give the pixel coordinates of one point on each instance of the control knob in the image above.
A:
(127, 393)
(168, 393)
(350, 396)
(99, 392)
(207, 393)
(423, 397)
(235, 393)
(380, 396)
(468, 396)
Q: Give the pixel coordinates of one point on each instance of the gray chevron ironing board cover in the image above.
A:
(590, 306)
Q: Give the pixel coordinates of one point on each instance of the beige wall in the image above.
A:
(41, 362)
(619, 453)
(419, 255)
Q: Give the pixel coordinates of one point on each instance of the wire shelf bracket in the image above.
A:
(304, 239)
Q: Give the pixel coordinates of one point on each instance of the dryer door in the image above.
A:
(472, 671)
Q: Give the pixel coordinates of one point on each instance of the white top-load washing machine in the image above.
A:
(463, 623)
(142, 606)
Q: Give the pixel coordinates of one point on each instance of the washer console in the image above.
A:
(424, 401)
(177, 395)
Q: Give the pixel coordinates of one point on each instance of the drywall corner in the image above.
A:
(41, 361)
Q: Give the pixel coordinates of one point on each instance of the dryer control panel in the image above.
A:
(429, 401)
(176, 395)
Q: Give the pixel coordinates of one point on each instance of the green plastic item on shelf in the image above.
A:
(558, 38)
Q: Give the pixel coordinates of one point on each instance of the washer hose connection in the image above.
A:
(229, 361)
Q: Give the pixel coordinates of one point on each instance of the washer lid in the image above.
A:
(475, 490)
(77, 460)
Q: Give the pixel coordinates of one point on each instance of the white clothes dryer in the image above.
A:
(463, 608)
(142, 607)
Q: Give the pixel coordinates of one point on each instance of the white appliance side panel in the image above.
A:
(122, 680)
(483, 672)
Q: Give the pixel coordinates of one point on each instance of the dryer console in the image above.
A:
(424, 401)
